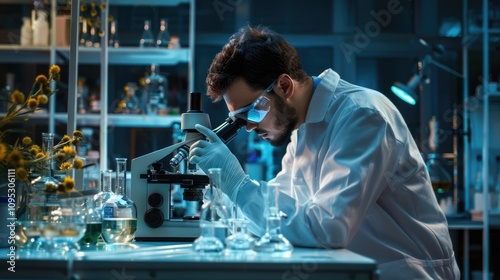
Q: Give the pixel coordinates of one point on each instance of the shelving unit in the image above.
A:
(470, 35)
(102, 59)
(116, 56)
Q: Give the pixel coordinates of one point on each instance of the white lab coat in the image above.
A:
(352, 177)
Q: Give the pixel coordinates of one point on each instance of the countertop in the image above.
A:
(175, 260)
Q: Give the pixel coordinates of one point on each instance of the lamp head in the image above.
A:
(407, 92)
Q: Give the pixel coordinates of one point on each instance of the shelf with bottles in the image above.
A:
(117, 120)
(119, 56)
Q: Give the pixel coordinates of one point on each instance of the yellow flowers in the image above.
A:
(17, 97)
(26, 140)
(23, 105)
(23, 154)
(78, 163)
(41, 79)
(3, 151)
(66, 186)
(32, 104)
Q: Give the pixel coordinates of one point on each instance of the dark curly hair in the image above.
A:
(256, 54)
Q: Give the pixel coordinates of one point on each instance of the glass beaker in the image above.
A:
(65, 226)
(213, 218)
(273, 240)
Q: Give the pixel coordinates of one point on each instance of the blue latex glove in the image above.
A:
(213, 153)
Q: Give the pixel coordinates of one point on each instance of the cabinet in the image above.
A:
(111, 66)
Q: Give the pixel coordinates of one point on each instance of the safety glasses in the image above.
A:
(256, 111)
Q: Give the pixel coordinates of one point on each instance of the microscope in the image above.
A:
(152, 187)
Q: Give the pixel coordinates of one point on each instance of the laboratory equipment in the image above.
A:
(272, 241)
(163, 38)
(119, 221)
(64, 227)
(42, 196)
(213, 218)
(240, 241)
(113, 34)
(147, 38)
(93, 222)
(152, 186)
(156, 92)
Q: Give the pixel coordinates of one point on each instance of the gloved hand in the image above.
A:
(213, 153)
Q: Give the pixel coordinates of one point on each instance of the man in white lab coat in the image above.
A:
(352, 176)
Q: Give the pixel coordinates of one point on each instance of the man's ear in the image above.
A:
(285, 84)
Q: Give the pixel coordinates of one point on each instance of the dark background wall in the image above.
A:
(363, 41)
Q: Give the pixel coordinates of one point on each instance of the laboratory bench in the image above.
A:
(176, 260)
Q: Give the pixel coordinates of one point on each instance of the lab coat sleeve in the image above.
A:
(358, 164)
(250, 198)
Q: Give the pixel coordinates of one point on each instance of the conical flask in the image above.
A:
(213, 218)
(163, 38)
(147, 38)
(272, 241)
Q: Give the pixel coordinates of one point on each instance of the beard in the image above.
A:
(286, 120)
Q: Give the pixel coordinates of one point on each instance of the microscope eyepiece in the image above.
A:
(226, 132)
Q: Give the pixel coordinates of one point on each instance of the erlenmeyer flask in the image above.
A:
(147, 39)
(163, 38)
(239, 241)
(213, 218)
(272, 241)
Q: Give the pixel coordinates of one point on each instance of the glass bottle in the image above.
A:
(93, 221)
(441, 182)
(272, 241)
(43, 198)
(26, 32)
(41, 29)
(119, 213)
(163, 39)
(113, 35)
(95, 40)
(85, 36)
(82, 96)
(156, 86)
(147, 38)
(129, 104)
(213, 218)
(478, 186)
(440, 178)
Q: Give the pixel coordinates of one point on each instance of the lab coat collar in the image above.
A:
(322, 96)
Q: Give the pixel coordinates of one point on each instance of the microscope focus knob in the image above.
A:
(155, 200)
(154, 218)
